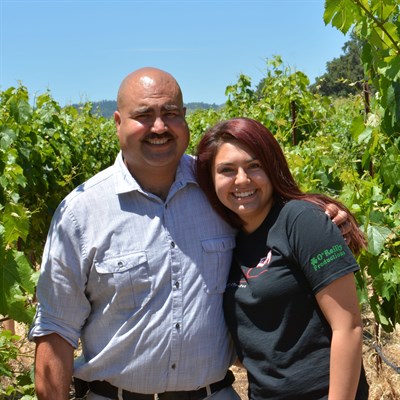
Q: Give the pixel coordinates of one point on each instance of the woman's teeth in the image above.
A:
(244, 194)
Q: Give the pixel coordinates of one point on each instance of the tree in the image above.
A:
(345, 75)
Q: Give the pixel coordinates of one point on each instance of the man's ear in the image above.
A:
(117, 120)
(117, 117)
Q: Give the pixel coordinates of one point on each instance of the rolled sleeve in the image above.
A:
(63, 306)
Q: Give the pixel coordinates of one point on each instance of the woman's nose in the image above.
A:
(241, 176)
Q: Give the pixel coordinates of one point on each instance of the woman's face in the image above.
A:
(242, 185)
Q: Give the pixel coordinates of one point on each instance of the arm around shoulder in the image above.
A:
(53, 367)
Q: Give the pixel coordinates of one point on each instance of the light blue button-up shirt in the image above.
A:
(139, 281)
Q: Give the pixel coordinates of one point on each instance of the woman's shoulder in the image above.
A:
(297, 206)
(301, 211)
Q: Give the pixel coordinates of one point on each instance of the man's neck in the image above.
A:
(157, 181)
(157, 190)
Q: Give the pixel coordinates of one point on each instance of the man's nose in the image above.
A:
(159, 125)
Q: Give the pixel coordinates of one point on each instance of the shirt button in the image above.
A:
(173, 366)
(177, 285)
(177, 326)
(172, 244)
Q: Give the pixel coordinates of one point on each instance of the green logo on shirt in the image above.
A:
(327, 256)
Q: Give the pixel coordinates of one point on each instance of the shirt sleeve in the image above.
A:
(318, 246)
(62, 304)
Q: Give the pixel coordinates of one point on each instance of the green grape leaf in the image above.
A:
(376, 236)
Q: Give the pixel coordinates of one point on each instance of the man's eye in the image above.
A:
(171, 114)
(141, 116)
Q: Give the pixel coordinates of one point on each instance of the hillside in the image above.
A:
(106, 108)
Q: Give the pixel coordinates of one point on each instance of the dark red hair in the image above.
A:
(261, 143)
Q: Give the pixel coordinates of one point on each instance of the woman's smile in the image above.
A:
(242, 185)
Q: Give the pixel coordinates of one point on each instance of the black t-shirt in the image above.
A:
(280, 333)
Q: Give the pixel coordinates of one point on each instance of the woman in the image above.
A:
(290, 302)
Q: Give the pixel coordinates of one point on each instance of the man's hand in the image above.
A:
(341, 219)
(338, 216)
(344, 220)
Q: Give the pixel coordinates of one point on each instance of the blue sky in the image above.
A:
(80, 50)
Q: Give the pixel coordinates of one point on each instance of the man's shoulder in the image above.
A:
(187, 165)
(98, 183)
(188, 160)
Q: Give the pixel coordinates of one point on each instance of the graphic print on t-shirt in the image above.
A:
(258, 270)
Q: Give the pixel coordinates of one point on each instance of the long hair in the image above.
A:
(256, 138)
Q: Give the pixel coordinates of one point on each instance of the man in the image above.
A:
(135, 266)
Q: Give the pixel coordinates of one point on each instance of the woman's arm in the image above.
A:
(339, 303)
(53, 367)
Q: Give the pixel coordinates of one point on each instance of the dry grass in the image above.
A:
(384, 381)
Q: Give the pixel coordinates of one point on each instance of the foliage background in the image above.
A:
(348, 147)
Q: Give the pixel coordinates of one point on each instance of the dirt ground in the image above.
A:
(384, 380)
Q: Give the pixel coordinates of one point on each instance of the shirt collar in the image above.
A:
(125, 182)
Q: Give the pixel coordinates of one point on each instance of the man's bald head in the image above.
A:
(146, 78)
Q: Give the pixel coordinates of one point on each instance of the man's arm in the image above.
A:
(53, 367)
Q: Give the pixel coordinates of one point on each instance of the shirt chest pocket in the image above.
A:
(127, 279)
(217, 258)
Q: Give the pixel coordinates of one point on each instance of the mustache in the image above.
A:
(165, 135)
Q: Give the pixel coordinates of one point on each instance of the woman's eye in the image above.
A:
(225, 170)
(254, 166)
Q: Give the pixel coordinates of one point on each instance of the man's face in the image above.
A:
(151, 125)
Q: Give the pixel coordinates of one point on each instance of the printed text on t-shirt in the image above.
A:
(327, 256)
